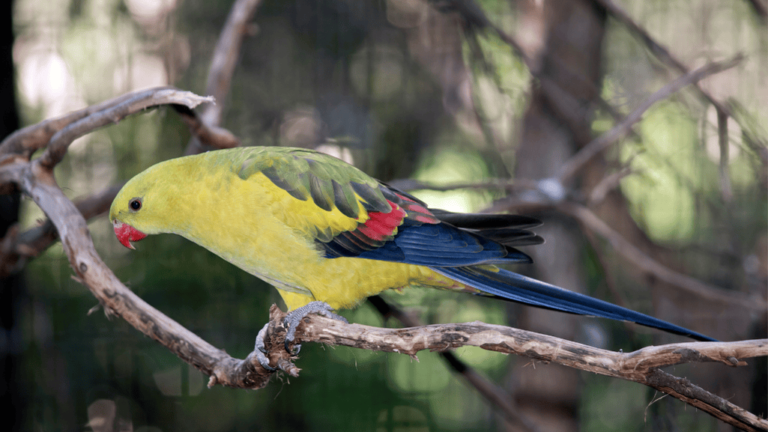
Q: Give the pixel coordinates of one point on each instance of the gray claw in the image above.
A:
(294, 317)
(261, 350)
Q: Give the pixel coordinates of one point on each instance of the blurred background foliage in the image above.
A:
(388, 86)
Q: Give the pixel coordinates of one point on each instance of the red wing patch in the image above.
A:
(380, 226)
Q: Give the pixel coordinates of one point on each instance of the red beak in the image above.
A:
(127, 234)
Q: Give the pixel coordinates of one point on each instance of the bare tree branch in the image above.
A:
(659, 50)
(222, 68)
(640, 366)
(61, 140)
(26, 141)
(634, 255)
(580, 159)
(210, 135)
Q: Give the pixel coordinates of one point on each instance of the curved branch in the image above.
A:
(26, 141)
(139, 101)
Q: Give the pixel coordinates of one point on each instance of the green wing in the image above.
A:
(306, 174)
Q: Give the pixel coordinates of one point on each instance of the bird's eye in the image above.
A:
(135, 204)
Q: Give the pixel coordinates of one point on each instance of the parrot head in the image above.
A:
(141, 207)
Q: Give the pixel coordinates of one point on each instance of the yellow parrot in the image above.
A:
(327, 235)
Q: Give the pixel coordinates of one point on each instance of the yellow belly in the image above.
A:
(344, 282)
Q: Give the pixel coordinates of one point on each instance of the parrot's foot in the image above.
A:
(294, 317)
(291, 322)
(261, 350)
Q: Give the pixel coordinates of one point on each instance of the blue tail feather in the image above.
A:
(522, 289)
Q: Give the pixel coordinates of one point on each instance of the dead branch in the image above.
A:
(580, 159)
(26, 141)
(639, 366)
(222, 68)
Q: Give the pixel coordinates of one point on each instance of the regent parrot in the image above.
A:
(327, 235)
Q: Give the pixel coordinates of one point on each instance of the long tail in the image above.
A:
(522, 289)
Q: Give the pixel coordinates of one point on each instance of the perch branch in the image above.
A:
(640, 366)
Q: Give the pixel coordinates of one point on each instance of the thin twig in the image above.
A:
(580, 159)
(607, 184)
(659, 50)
